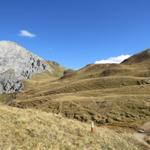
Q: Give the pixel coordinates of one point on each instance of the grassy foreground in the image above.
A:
(26, 129)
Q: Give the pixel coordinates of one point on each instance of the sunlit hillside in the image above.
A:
(26, 129)
(110, 94)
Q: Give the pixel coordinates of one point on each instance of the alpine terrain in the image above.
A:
(46, 106)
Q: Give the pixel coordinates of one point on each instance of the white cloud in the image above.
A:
(115, 60)
(25, 33)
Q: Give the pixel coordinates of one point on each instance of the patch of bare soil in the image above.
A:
(143, 134)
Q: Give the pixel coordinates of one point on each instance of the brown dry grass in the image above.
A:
(111, 94)
(109, 100)
(26, 129)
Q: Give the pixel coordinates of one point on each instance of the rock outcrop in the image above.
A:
(16, 64)
(9, 82)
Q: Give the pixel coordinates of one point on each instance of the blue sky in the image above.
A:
(77, 32)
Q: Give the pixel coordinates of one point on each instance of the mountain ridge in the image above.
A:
(23, 62)
(138, 58)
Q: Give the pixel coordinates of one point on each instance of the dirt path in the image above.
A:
(143, 132)
(146, 127)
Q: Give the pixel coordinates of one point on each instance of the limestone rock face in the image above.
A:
(9, 82)
(16, 64)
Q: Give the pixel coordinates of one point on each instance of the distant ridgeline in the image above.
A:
(16, 64)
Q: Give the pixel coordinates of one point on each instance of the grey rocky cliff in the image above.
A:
(9, 82)
(16, 64)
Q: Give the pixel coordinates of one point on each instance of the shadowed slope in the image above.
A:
(58, 70)
(138, 58)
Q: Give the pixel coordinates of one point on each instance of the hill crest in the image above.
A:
(138, 58)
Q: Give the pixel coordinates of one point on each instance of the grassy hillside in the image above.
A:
(110, 94)
(112, 100)
(114, 94)
(141, 69)
(57, 69)
(141, 57)
(26, 129)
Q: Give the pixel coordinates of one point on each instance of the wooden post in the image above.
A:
(92, 127)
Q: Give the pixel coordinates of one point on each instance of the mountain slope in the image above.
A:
(110, 94)
(141, 57)
(31, 129)
(21, 62)
(58, 70)
(137, 65)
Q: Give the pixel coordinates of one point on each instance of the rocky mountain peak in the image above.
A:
(23, 63)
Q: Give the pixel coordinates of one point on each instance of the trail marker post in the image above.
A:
(92, 127)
